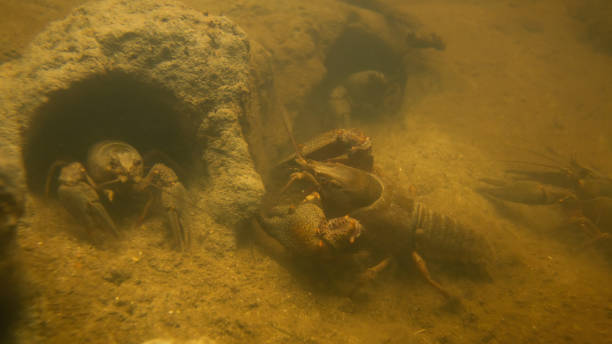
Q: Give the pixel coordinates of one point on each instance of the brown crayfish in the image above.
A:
(393, 224)
(115, 167)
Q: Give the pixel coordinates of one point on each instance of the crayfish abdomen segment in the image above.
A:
(441, 238)
(399, 225)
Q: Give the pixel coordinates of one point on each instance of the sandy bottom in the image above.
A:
(514, 76)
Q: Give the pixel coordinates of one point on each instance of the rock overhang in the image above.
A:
(155, 74)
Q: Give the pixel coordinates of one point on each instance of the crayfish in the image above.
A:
(394, 225)
(115, 167)
(584, 194)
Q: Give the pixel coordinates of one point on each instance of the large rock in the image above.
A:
(11, 209)
(153, 73)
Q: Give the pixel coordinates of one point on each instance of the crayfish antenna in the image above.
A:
(296, 147)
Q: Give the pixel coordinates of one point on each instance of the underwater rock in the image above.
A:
(87, 78)
(11, 209)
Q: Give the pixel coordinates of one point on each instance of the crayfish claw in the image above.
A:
(82, 200)
(172, 197)
(101, 216)
(342, 231)
(181, 236)
(525, 192)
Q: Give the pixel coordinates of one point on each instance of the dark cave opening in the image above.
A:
(113, 106)
(355, 51)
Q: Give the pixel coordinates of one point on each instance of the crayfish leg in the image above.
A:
(371, 273)
(591, 229)
(593, 241)
(422, 267)
(170, 194)
(82, 201)
(300, 176)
